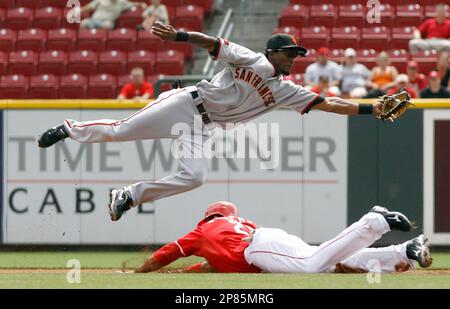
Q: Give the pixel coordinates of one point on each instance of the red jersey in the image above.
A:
(130, 91)
(419, 83)
(431, 29)
(411, 91)
(219, 241)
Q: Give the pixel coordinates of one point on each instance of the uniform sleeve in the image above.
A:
(184, 246)
(423, 28)
(300, 99)
(125, 91)
(233, 53)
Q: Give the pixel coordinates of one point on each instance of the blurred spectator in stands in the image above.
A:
(354, 75)
(138, 89)
(323, 67)
(382, 76)
(444, 69)
(401, 83)
(417, 81)
(323, 87)
(433, 33)
(105, 13)
(155, 12)
(435, 89)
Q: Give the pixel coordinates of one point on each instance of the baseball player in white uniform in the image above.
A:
(275, 251)
(250, 86)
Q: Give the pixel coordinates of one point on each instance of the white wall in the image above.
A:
(310, 203)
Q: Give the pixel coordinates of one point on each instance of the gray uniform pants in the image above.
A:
(170, 116)
(416, 45)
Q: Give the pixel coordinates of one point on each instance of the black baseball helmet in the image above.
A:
(285, 41)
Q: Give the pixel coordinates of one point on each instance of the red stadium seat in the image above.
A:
(121, 82)
(323, 15)
(336, 55)
(169, 63)
(31, 39)
(430, 10)
(102, 86)
(387, 15)
(426, 60)
(14, 87)
(294, 16)
(295, 32)
(315, 37)
(171, 12)
(399, 58)
(131, 18)
(92, 39)
(148, 41)
(32, 4)
(2, 18)
(19, 18)
(73, 86)
(8, 39)
(112, 62)
(301, 63)
(121, 39)
(375, 37)
(3, 62)
(351, 15)
(7, 4)
(54, 3)
(22, 62)
(83, 62)
(367, 57)
(163, 86)
(47, 18)
(173, 2)
(311, 2)
(401, 37)
(61, 39)
(52, 62)
(408, 15)
(344, 37)
(43, 87)
(143, 59)
(186, 48)
(207, 5)
(189, 16)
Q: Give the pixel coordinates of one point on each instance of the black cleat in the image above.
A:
(396, 220)
(119, 202)
(52, 136)
(417, 250)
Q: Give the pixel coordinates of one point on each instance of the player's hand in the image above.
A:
(377, 110)
(165, 32)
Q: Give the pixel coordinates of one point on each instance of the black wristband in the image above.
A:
(365, 109)
(182, 36)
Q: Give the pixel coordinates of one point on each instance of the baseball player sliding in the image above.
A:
(250, 86)
(233, 244)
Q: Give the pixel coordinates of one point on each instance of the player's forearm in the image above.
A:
(150, 265)
(338, 106)
(202, 40)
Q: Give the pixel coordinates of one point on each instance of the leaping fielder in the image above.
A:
(250, 86)
(233, 244)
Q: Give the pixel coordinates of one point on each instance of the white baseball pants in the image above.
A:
(159, 119)
(275, 251)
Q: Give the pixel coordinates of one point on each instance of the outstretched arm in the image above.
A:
(150, 265)
(168, 33)
(345, 107)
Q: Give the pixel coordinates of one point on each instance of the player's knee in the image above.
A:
(197, 178)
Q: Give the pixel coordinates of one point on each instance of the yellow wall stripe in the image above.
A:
(130, 104)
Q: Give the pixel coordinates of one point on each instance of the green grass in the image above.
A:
(114, 260)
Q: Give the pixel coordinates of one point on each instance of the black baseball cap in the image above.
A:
(285, 41)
